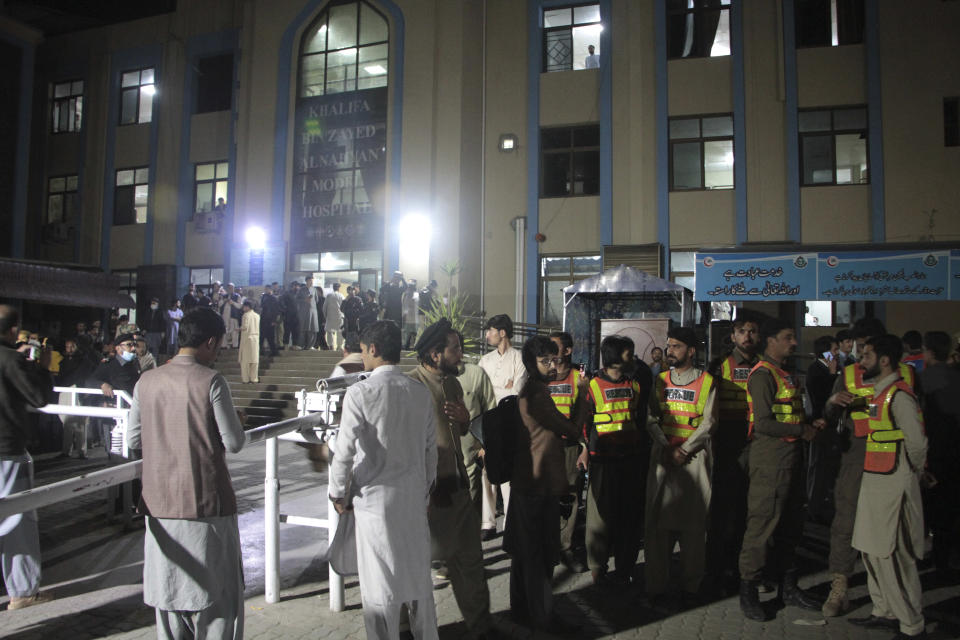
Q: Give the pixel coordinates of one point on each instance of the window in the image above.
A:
(698, 28)
(211, 185)
(826, 23)
(62, 199)
(567, 35)
(951, 122)
(824, 313)
(570, 161)
(214, 83)
(137, 89)
(128, 286)
(67, 106)
(833, 146)
(347, 51)
(205, 276)
(682, 268)
(337, 261)
(557, 272)
(131, 196)
(701, 152)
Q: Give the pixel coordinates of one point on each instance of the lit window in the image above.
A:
(701, 152)
(67, 107)
(211, 185)
(131, 196)
(698, 28)
(833, 146)
(568, 35)
(137, 89)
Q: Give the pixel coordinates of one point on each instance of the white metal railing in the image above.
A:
(299, 429)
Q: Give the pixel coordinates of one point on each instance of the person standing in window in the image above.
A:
(592, 61)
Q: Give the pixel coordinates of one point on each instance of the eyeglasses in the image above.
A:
(549, 361)
(128, 345)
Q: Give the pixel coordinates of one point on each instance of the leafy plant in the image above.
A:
(451, 269)
(455, 309)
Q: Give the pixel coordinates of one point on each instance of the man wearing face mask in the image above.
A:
(454, 524)
(683, 403)
(119, 372)
(615, 448)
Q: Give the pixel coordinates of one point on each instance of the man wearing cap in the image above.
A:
(683, 404)
(454, 528)
(249, 353)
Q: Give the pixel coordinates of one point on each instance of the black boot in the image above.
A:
(750, 601)
(793, 595)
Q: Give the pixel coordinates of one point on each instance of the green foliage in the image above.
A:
(456, 312)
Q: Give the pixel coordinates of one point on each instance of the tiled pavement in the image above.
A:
(94, 569)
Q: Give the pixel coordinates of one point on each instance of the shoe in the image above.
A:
(572, 562)
(486, 535)
(81, 456)
(902, 636)
(750, 601)
(875, 622)
(837, 602)
(28, 601)
(63, 456)
(791, 594)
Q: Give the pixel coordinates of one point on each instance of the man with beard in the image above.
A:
(74, 370)
(615, 446)
(852, 392)
(678, 486)
(531, 536)
(775, 498)
(730, 449)
(889, 524)
(454, 526)
(384, 465)
(569, 392)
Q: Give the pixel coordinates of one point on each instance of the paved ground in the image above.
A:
(94, 568)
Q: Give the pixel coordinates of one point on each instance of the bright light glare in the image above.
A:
(256, 238)
(375, 70)
(414, 231)
(148, 89)
(322, 28)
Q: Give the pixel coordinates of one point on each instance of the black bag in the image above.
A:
(497, 432)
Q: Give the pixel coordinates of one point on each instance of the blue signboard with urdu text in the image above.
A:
(867, 275)
(756, 276)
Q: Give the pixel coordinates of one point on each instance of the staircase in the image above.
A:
(281, 378)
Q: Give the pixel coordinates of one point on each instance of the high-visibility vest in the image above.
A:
(613, 403)
(681, 406)
(853, 380)
(732, 390)
(787, 403)
(564, 392)
(883, 436)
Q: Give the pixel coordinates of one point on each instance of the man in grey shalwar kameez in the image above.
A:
(385, 463)
(307, 315)
(184, 421)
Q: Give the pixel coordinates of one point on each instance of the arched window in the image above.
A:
(346, 48)
(340, 148)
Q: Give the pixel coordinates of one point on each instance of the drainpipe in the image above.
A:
(519, 225)
(483, 153)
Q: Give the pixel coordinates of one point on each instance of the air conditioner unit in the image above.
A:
(206, 221)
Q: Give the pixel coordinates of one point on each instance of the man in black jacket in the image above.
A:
(154, 325)
(23, 384)
(75, 368)
(269, 312)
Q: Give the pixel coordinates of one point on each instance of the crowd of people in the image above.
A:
(724, 460)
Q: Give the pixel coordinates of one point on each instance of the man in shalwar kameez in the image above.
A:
(384, 465)
(249, 352)
(889, 525)
(683, 412)
(184, 421)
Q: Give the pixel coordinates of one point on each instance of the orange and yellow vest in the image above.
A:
(564, 392)
(613, 402)
(732, 391)
(681, 406)
(853, 379)
(787, 403)
(883, 436)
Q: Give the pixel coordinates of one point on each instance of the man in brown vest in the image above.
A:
(184, 421)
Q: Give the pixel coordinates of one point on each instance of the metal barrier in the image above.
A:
(299, 429)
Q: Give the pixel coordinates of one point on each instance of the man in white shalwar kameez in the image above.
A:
(249, 352)
(384, 465)
(333, 318)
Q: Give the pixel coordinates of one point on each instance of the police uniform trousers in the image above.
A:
(846, 492)
(615, 512)
(894, 584)
(774, 509)
(455, 539)
(728, 508)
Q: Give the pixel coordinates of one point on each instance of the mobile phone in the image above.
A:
(827, 356)
(33, 353)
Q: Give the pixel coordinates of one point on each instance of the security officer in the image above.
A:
(681, 459)
(569, 392)
(615, 447)
(849, 402)
(889, 521)
(775, 498)
(730, 474)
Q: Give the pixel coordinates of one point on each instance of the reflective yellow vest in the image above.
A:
(564, 392)
(787, 403)
(853, 380)
(883, 436)
(732, 390)
(681, 406)
(613, 402)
